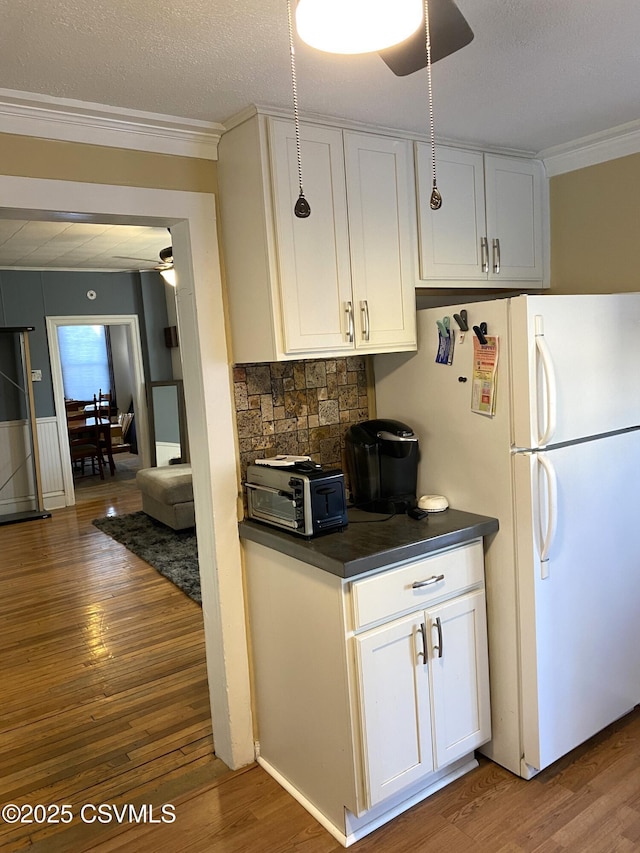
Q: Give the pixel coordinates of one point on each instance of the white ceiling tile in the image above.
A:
(79, 245)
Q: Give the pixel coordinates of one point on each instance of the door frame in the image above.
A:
(209, 400)
(130, 321)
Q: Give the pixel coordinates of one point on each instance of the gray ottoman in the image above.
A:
(167, 495)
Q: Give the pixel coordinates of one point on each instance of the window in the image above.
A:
(85, 358)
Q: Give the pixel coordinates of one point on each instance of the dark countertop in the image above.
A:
(368, 544)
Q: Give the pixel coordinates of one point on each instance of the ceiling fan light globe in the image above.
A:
(357, 26)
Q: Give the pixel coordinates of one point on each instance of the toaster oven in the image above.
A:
(303, 498)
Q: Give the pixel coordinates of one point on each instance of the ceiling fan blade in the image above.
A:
(449, 32)
(129, 258)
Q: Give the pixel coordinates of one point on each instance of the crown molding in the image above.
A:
(266, 110)
(28, 114)
(590, 150)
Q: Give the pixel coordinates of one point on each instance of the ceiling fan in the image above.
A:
(164, 262)
(337, 26)
(449, 32)
(164, 266)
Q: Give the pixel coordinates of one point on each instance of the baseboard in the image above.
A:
(322, 819)
(58, 501)
(357, 828)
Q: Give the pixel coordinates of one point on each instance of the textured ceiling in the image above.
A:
(75, 246)
(538, 73)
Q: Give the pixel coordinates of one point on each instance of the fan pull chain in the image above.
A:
(435, 202)
(301, 207)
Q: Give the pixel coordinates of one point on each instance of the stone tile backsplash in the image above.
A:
(299, 407)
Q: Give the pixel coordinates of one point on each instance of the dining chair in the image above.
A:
(84, 442)
(102, 404)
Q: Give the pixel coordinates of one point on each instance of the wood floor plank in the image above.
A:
(105, 699)
(105, 690)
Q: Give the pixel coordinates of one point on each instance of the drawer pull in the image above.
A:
(433, 579)
(439, 646)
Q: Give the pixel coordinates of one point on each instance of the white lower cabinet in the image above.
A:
(459, 672)
(424, 689)
(370, 693)
(395, 707)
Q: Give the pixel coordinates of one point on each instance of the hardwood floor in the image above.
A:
(589, 802)
(104, 685)
(104, 700)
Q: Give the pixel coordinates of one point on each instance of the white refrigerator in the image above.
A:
(558, 463)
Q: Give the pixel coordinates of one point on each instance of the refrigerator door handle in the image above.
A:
(550, 383)
(552, 513)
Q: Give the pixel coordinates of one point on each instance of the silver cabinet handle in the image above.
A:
(364, 308)
(350, 327)
(433, 579)
(439, 647)
(496, 255)
(484, 250)
(423, 632)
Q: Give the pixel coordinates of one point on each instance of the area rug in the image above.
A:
(173, 553)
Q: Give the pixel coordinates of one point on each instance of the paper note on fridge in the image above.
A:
(483, 386)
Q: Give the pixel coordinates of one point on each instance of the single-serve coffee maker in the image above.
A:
(382, 462)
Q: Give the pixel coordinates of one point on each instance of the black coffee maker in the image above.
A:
(382, 462)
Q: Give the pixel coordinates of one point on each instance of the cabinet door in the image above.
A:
(313, 253)
(459, 676)
(381, 209)
(450, 238)
(395, 708)
(513, 189)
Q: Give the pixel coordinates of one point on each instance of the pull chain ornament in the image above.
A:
(435, 202)
(301, 208)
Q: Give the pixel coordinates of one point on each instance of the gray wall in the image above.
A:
(28, 297)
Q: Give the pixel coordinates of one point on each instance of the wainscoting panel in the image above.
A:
(50, 463)
(17, 489)
(165, 451)
(16, 479)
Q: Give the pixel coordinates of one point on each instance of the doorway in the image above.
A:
(207, 386)
(131, 326)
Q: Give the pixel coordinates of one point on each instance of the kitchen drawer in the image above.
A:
(391, 593)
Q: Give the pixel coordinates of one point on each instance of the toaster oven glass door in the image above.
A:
(273, 505)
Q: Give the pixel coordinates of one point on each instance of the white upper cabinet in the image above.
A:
(450, 238)
(490, 226)
(312, 253)
(382, 233)
(338, 282)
